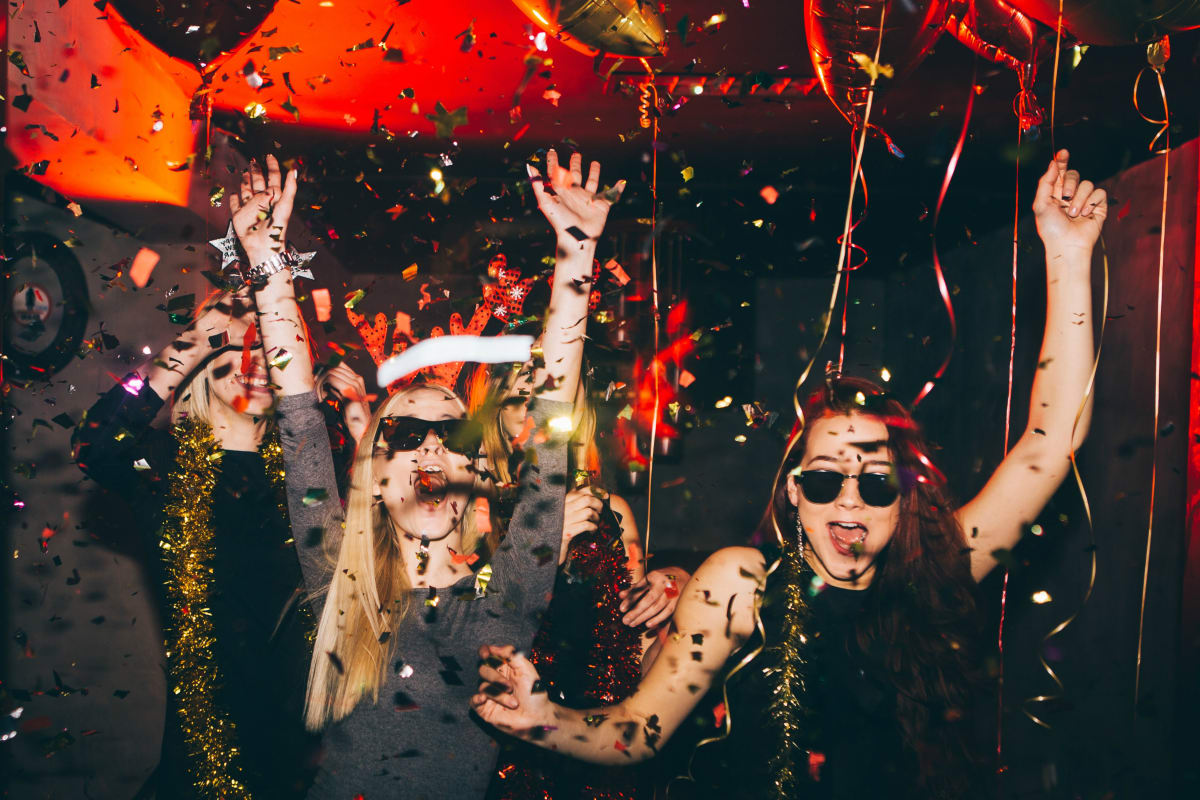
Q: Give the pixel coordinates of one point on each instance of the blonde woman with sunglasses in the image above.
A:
(422, 577)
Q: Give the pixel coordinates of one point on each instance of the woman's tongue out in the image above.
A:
(847, 537)
(429, 485)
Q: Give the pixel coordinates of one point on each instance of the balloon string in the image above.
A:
(846, 228)
(1087, 510)
(1012, 358)
(852, 246)
(943, 289)
(1165, 122)
(652, 113)
(1054, 83)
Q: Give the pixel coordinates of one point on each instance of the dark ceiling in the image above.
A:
(735, 143)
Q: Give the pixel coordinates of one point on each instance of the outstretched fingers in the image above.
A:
(257, 182)
(274, 179)
(576, 169)
(538, 182)
(1096, 205)
(1050, 185)
(593, 179)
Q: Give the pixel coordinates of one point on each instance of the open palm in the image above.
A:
(261, 210)
(571, 205)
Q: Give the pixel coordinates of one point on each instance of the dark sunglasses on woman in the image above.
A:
(462, 436)
(823, 486)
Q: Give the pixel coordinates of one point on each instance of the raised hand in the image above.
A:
(1070, 212)
(506, 697)
(571, 205)
(581, 513)
(348, 386)
(261, 209)
(652, 600)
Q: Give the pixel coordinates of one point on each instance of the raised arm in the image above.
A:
(261, 210)
(222, 323)
(714, 618)
(1069, 215)
(577, 213)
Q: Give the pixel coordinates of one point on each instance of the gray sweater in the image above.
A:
(420, 741)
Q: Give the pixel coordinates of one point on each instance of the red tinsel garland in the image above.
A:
(611, 667)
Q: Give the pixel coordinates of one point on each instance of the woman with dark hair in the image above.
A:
(844, 651)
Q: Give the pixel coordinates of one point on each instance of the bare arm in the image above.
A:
(714, 618)
(260, 216)
(224, 322)
(1069, 216)
(577, 214)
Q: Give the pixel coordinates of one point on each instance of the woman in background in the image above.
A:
(600, 633)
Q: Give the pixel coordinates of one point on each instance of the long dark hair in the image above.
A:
(919, 623)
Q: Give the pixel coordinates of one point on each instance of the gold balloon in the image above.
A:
(612, 27)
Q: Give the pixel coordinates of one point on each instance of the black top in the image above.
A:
(850, 744)
(261, 647)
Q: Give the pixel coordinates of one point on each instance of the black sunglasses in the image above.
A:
(823, 486)
(462, 436)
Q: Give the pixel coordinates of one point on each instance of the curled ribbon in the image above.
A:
(797, 403)
(943, 289)
(1157, 53)
(649, 119)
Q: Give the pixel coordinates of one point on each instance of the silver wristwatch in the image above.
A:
(259, 273)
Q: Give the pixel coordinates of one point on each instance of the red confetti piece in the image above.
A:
(1124, 212)
(143, 264)
(247, 343)
(686, 379)
(719, 714)
(618, 274)
(323, 303)
(770, 194)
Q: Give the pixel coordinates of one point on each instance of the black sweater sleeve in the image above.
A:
(116, 447)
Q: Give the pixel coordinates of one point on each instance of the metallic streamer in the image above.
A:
(797, 402)
(652, 114)
(943, 289)
(186, 542)
(1157, 54)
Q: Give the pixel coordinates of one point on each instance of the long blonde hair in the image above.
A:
(369, 594)
(581, 449)
(192, 396)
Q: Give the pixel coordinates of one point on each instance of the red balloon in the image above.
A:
(996, 31)
(838, 29)
(1115, 22)
(1002, 34)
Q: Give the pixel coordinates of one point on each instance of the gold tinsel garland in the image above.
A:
(786, 669)
(187, 551)
(783, 665)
